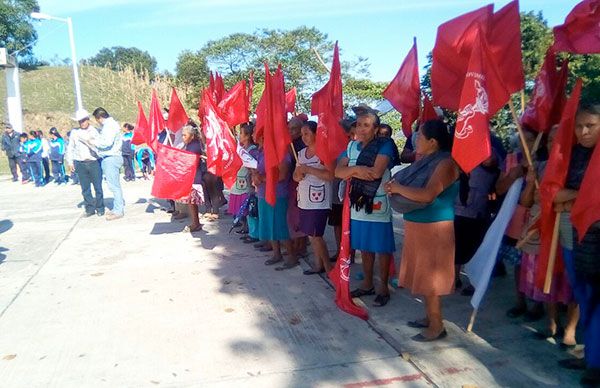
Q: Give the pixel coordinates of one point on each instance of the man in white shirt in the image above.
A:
(83, 160)
(108, 145)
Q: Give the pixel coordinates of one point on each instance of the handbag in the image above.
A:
(253, 206)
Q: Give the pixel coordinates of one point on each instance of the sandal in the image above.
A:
(286, 265)
(273, 260)
(357, 293)
(418, 324)
(381, 300)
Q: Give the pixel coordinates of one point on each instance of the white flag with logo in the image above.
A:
(247, 160)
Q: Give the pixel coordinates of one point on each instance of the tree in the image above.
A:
(16, 30)
(234, 56)
(118, 58)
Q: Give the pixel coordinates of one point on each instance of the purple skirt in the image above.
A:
(312, 222)
(235, 202)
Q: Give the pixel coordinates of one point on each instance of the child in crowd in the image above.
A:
(145, 160)
(242, 188)
(33, 149)
(57, 155)
(127, 150)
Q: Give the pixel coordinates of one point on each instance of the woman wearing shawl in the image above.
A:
(366, 165)
(427, 266)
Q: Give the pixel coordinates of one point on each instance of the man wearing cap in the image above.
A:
(10, 145)
(84, 161)
(108, 145)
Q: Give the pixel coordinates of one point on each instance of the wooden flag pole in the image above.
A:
(552, 258)
(522, 101)
(472, 321)
(522, 137)
(321, 60)
(294, 152)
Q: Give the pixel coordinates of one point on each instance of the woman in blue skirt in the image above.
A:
(366, 165)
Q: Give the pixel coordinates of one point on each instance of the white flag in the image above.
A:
(479, 269)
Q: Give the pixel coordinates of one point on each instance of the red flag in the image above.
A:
(580, 34)
(472, 136)
(290, 101)
(271, 124)
(451, 54)
(429, 112)
(219, 88)
(233, 106)
(211, 84)
(404, 92)
(177, 117)
(504, 42)
(175, 172)
(328, 103)
(547, 100)
(141, 127)
(340, 274)
(586, 209)
(250, 89)
(157, 122)
(222, 158)
(554, 179)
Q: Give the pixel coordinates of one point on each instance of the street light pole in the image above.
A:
(78, 100)
(43, 16)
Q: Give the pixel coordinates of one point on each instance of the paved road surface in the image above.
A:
(135, 303)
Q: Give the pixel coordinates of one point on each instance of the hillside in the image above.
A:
(48, 97)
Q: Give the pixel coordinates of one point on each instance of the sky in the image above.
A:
(381, 30)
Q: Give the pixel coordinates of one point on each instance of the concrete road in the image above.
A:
(136, 302)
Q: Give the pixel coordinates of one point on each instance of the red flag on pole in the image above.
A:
(472, 135)
(451, 54)
(219, 88)
(586, 209)
(221, 148)
(554, 179)
(454, 44)
(141, 127)
(429, 112)
(175, 172)
(271, 124)
(404, 92)
(340, 274)
(211, 84)
(328, 104)
(290, 101)
(504, 42)
(233, 106)
(156, 122)
(548, 97)
(580, 34)
(177, 116)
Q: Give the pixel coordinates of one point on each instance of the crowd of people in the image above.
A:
(446, 215)
(446, 211)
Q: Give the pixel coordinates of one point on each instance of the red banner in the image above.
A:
(233, 106)
(340, 274)
(141, 127)
(175, 172)
(177, 117)
(157, 123)
(580, 34)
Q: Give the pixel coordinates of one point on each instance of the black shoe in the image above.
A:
(572, 363)
(100, 213)
(421, 338)
(591, 377)
(416, 324)
(381, 300)
(516, 312)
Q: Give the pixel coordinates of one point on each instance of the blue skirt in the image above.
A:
(376, 237)
(272, 221)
